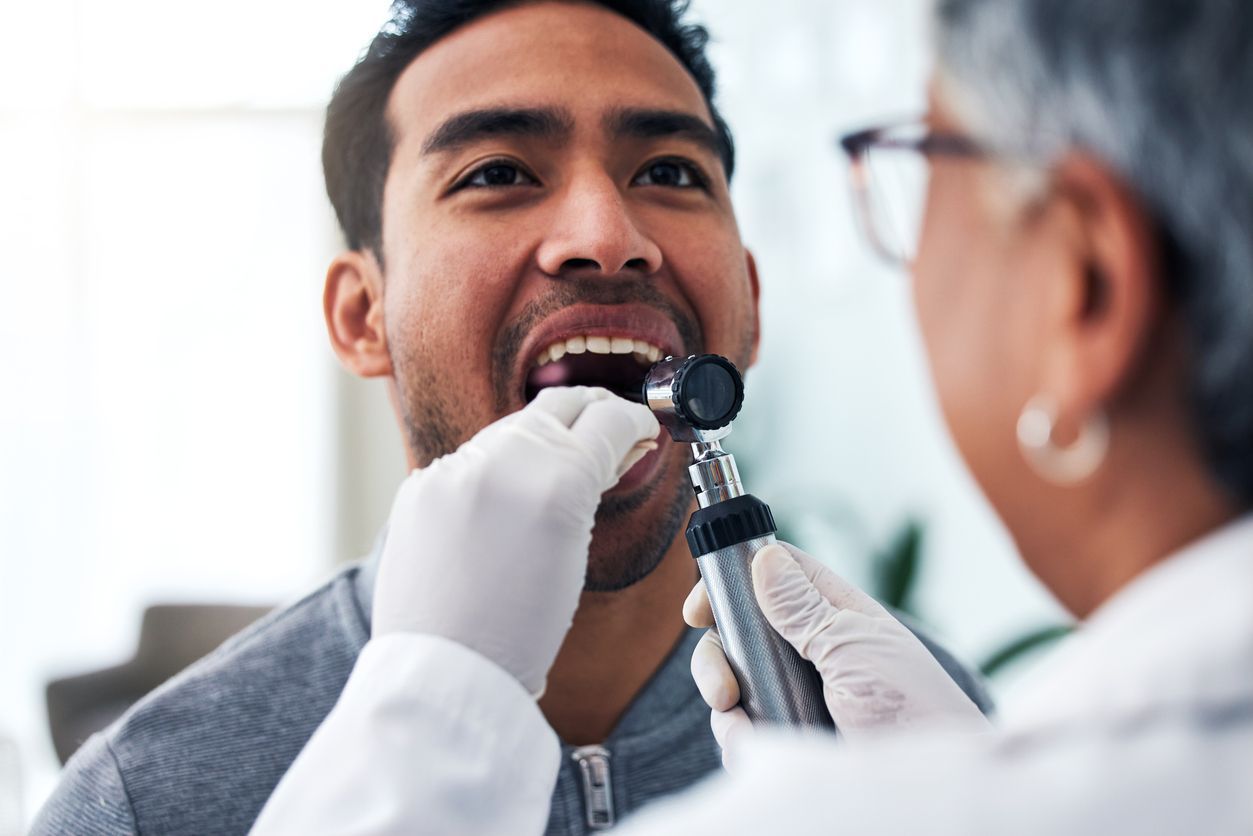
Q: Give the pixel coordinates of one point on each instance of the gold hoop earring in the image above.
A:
(1067, 465)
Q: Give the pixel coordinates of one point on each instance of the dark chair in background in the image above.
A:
(171, 637)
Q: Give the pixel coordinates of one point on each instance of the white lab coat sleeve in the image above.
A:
(428, 736)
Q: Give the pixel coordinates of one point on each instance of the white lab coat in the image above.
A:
(1142, 722)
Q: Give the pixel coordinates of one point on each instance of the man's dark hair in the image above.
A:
(358, 142)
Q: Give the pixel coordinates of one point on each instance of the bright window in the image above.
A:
(170, 430)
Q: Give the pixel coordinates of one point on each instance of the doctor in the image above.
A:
(1084, 285)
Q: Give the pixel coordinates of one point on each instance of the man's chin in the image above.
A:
(639, 519)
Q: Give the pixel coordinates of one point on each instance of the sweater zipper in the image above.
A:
(593, 763)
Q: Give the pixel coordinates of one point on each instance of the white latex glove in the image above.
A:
(488, 545)
(876, 675)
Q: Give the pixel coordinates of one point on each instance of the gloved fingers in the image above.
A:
(731, 729)
(696, 609)
(788, 599)
(839, 592)
(617, 432)
(714, 678)
(565, 403)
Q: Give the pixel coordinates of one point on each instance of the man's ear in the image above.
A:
(353, 305)
(755, 286)
(1105, 305)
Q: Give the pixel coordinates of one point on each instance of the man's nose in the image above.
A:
(593, 228)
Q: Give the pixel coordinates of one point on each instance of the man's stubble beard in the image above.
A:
(625, 547)
(618, 558)
(621, 558)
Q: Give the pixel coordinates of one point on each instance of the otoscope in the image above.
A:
(696, 398)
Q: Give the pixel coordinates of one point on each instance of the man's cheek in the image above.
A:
(729, 321)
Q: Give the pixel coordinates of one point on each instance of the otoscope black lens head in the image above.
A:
(708, 391)
(693, 394)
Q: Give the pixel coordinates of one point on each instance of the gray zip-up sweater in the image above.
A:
(202, 753)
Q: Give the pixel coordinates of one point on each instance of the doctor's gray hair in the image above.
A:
(1161, 91)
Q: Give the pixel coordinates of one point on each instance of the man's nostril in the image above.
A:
(574, 264)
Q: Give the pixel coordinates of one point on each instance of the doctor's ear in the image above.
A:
(1107, 302)
(353, 305)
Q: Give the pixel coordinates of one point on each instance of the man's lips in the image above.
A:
(643, 471)
(627, 329)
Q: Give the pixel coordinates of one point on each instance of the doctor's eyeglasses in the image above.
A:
(890, 171)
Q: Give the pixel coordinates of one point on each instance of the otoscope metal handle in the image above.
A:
(776, 685)
(695, 399)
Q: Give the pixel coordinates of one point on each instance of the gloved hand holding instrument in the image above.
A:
(876, 675)
(794, 645)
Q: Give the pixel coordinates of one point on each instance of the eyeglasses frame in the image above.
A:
(858, 145)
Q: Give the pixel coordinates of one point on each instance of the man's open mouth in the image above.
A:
(616, 363)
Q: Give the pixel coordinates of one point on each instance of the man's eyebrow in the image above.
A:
(473, 125)
(655, 124)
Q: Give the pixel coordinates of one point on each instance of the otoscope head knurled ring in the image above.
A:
(695, 398)
(686, 405)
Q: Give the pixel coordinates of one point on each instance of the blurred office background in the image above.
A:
(176, 429)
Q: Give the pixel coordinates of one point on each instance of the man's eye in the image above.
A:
(671, 173)
(496, 175)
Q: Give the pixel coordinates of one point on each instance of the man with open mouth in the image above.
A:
(534, 196)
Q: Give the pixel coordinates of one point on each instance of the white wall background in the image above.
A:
(174, 426)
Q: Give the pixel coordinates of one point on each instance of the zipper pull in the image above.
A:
(593, 762)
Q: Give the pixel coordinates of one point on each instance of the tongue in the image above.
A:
(621, 374)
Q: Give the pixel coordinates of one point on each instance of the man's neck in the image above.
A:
(617, 642)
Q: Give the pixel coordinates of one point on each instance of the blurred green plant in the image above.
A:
(895, 568)
(1028, 643)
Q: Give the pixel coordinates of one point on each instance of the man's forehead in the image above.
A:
(578, 60)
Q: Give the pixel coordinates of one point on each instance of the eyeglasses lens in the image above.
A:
(896, 200)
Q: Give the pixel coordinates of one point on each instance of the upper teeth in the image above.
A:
(644, 351)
